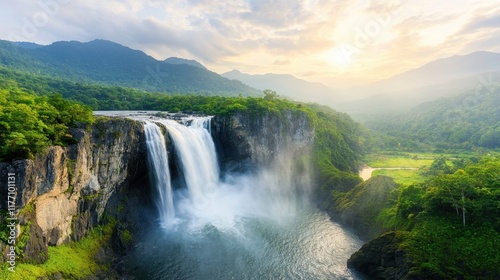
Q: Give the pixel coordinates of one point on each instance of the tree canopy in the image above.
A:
(29, 123)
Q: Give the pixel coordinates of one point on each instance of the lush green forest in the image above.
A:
(447, 227)
(29, 123)
(37, 111)
(338, 146)
(450, 225)
(464, 122)
(108, 63)
(100, 97)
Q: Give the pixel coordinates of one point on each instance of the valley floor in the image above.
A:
(404, 167)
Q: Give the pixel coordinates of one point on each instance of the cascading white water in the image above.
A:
(196, 153)
(158, 166)
(258, 224)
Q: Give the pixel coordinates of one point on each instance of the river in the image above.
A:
(366, 172)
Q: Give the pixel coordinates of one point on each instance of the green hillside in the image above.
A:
(464, 122)
(108, 63)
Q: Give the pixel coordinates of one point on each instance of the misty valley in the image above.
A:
(115, 165)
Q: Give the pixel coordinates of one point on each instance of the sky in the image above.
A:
(339, 43)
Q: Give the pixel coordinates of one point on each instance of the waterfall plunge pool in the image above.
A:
(246, 226)
(306, 246)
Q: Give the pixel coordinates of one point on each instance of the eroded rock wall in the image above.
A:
(244, 139)
(64, 191)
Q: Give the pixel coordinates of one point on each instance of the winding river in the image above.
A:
(366, 172)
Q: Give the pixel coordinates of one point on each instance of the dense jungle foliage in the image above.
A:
(29, 123)
(462, 122)
(449, 226)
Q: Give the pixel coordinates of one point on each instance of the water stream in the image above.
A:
(159, 172)
(366, 172)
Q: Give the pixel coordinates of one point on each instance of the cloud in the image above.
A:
(282, 62)
(206, 30)
(483, 21)
(491, 22)
(275, 14)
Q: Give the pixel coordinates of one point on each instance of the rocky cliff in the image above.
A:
(63, 192)
(244, 140)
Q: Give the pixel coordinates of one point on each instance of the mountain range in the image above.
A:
(447, 77)
(108, 63)
(443, 78)
(288, 86)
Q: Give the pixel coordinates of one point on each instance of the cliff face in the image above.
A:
(244, 140)
(64, 192)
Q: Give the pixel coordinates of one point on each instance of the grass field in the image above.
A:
(403, 160)
(406, 177)
(419, 161)
(393, 161)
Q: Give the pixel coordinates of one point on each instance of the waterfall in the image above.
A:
(198, 159)
(196, 154)
(270, 192)
(258, 224)
(158, 166)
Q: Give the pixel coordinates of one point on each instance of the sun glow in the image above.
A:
(339, 58)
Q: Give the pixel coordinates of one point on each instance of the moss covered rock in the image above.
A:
(360, 207)
(381, 258)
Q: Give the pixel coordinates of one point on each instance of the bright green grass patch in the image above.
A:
(73, 261)
(406, 177)
(385, 161)
(409, 160)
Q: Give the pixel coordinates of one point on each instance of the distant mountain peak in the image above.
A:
(102, 42)
(96, 44)
(234, 71)
(178, 60)
(444, 77)
(27, 45)
(287, 85)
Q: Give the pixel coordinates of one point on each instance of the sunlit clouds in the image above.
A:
(339, 43)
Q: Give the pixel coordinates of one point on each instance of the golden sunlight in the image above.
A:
(339, 57)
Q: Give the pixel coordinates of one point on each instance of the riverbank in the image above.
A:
(404, 168)
(367, 172)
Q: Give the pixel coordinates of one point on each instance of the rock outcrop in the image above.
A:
(67, 189)
(381, 258)
(244, 140)
(360, 207)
